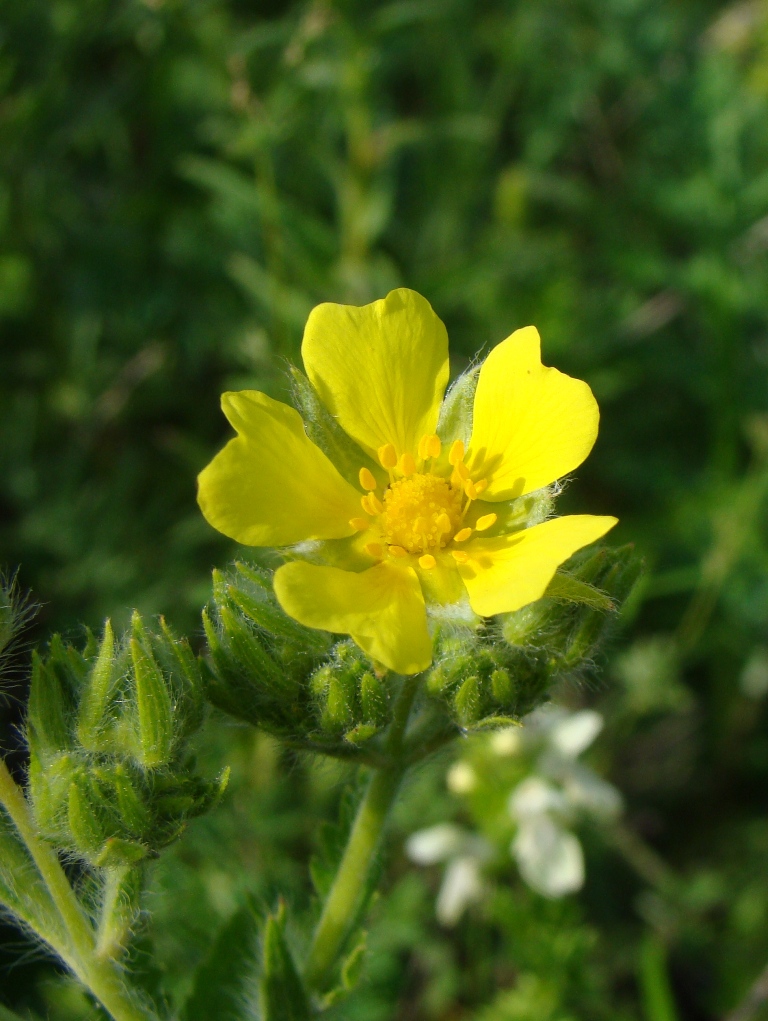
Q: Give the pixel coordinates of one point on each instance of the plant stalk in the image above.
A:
(102, 978)
(344, 898)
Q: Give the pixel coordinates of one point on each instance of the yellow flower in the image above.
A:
(427, 520)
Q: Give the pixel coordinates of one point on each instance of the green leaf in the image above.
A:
(283, 997)
(658, 999)
(566, 587)
(221, 982)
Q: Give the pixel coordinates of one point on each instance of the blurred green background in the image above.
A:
(180, 182)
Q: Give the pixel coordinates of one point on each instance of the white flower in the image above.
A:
(543, 805)
(464, 853)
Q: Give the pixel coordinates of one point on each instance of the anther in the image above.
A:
(387, 456)
(434, 445)
(367, 480)
(486, 521)
(360, 524)
(462, 535)
(374, 549)
(427, 562)
(397, 551)
(456, 453)
(407, 464)
(371, 504)
(481, 485)
(462, 471)
(460, 556)
(421, 525)
(424, 447)
(443, 523)
(470, 489)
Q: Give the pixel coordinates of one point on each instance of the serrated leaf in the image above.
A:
(566, 587)
(221, 982)
(282, 993)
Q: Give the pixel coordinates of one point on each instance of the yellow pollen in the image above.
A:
(360, 524)
(456, 453)
(367, 481)
(374, 549)
(420, 513)
(486, 521)
(462, 535)
(427, 562)
(387, 456)
(460, 556)
(397, 551)
(407, 464)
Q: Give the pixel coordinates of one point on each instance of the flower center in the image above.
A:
(421, 513)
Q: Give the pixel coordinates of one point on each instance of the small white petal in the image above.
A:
(575, 733)
(533, 797)
(550, 858)
(589, 792)
(462, 886)
(426, 847)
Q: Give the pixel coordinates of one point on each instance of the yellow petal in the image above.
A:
(510, 571)
(531, 424)
(380, 369)
(381, 608)
(271, 486)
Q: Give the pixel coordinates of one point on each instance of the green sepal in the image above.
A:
(282, 996)
(120, 908)
(571, 590)
(85, 823)
(95, 716)
(52, 699)
(153, 724)
(324, 431)
(468, 701)
(455, 421)
(116, 852)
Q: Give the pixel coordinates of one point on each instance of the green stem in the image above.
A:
(102, 978)
(345, 896)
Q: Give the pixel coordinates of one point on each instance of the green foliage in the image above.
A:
(180, 183)
(495, 675)
(110, 776)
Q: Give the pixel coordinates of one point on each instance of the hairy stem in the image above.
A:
(345, 896)
(102, 978)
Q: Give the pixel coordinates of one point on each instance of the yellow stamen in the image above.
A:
(481, 485)
(371, 504)
(367, 480)
(462, 535)
(387, 456)
(462, 471)
(443, 523)
(434, 445)
(460, 556)
(486, 521)
(360, 524)
(427, 562)
(397, 551)
(424, 447)
(407, 464)
(456, 453)
(374, 549)
(470, 489)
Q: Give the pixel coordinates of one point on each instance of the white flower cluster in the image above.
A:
(558, 791)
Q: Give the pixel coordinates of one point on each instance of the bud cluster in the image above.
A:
(293, 681)
(498, 673)
(110, 775)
